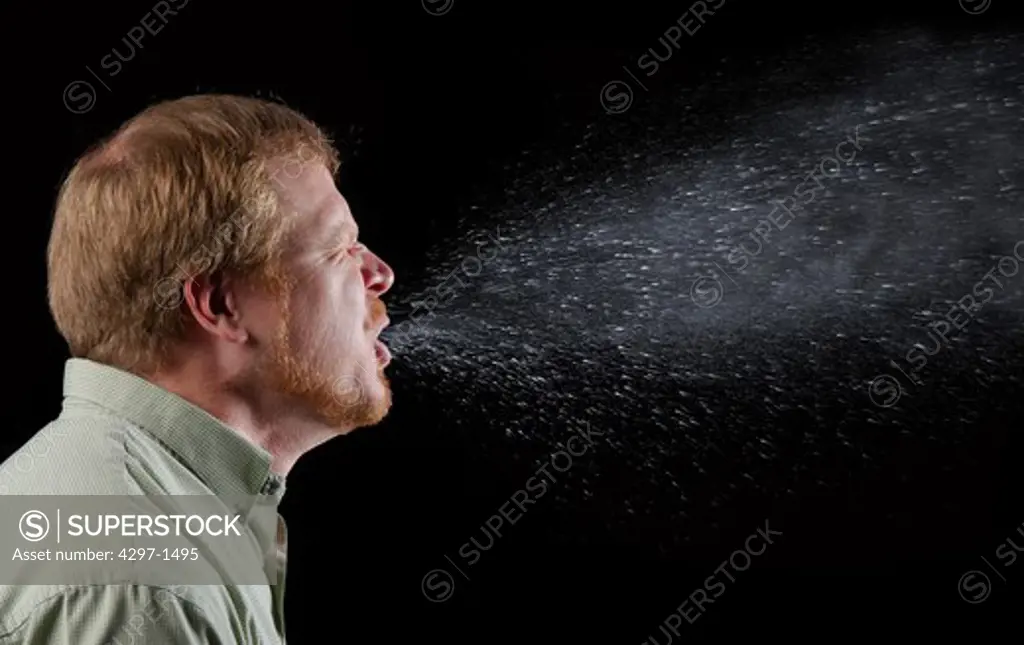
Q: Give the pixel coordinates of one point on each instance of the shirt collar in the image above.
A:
(232, 466)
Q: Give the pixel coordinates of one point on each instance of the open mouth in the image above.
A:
(383, 353)
(381, 350)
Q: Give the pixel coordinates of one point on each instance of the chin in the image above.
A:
(360, 402)
(379, 401)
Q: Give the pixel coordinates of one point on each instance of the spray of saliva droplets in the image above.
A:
(666, 298)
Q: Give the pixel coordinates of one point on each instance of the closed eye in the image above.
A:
(348, 249)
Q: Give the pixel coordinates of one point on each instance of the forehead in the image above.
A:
(308, 194)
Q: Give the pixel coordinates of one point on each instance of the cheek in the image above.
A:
(331, 313)
(309, 313)
(350, 301)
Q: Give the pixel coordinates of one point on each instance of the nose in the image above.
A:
(377, 275)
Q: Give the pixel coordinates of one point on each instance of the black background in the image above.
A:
(428, 109)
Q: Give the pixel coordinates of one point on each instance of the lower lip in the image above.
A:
(383, 353)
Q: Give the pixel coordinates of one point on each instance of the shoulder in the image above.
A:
(69, 456)
(94, 453)
(121, 613)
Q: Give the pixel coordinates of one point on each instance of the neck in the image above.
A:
(267, 421)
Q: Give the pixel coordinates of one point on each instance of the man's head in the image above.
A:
(206, 239)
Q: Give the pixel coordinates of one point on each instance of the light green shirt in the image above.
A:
(118, 434)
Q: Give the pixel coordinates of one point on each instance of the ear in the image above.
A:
(212, 301)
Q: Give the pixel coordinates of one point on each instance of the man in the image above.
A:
(222, 318)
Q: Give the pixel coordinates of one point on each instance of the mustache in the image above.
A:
(378, 311)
